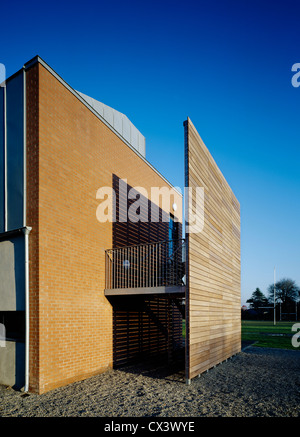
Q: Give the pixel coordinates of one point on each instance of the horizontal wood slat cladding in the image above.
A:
(213, 296)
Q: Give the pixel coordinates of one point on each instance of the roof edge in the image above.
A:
(38, 59)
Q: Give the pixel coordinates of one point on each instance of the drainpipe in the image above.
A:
(26, 231)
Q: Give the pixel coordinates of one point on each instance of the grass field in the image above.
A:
(266, 334)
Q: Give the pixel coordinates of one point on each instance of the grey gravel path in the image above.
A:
(258, 382)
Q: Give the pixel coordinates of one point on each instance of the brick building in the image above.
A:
(84, 288)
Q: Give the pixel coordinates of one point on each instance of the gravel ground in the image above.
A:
(258, 382)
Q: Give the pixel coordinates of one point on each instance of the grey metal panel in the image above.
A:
(119, 122)
(97, 106)
(142, 148)
(12, 364)
(134, 138)
(126, 128)
(15, 151)
(12, 274)
(2, 160)
(108, 115)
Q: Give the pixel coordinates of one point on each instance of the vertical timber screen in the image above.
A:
(213, 303)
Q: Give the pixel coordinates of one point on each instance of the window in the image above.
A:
(14, 323)
(173, 235)
(173, 228)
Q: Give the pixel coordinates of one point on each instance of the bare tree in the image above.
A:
(286, 291)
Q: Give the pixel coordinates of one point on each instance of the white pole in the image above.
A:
(274, 301)
(26, 231)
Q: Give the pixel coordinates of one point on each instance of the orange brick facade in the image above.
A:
(70, 155)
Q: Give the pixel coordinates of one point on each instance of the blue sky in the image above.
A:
(225, 64)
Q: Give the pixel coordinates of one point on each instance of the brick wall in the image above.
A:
(71, 154)
(32, 219)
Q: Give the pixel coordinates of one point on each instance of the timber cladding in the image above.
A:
(213, 305)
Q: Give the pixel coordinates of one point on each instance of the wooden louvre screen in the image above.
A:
(145, 327)
(127, 232)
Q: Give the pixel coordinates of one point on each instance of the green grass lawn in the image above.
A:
(265, 334)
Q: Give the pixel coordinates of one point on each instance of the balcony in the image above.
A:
(152, 268)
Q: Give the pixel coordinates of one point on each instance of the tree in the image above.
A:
(258, 299)
(286, 291)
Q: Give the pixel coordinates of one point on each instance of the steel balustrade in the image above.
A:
(146, 265)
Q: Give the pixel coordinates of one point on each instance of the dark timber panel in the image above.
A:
(145, 327)
(125, 231)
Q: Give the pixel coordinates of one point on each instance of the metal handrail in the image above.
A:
(143, 244)
(145, 265)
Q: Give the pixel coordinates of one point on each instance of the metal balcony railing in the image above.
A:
(159, 264)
